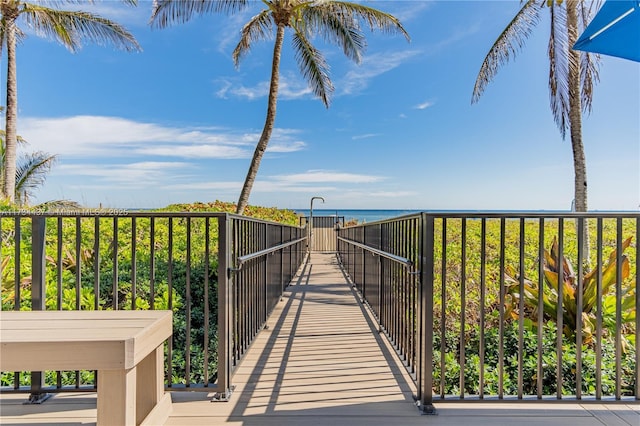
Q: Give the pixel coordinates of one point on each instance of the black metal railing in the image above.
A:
(220, 274)
(472, 304)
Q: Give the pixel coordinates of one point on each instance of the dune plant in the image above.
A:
(559, 273)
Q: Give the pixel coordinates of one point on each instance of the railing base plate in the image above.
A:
(223, 396)
(37, 398)
(426, 410)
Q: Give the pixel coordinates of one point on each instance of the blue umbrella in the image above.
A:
(614, 31)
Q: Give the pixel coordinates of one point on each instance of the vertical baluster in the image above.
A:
(521, 310)
(599, 310)
(152, 262)
(539, 366)
(501, 310)
(205, 343)
(16, 256)
(483, 272)
(463, 305)
(170, 295)
(78, 277)
(59, 263)
(560, 309)
(619, 308)
(16, 278)
(579, 306)
(59, 282)
(187, 302)
(78, 273)
(134, 238)
(96, 263)
(637, 330)
(115, 263)
(443, 309)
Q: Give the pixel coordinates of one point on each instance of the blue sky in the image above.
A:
(178, 122)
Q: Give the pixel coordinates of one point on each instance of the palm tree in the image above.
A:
(31, 172)
(572, 74)
(70, 28)
(337, 21)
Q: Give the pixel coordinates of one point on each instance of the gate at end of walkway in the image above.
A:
(323, 231)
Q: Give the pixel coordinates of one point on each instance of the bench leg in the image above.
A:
(150, 386)
(116, 397)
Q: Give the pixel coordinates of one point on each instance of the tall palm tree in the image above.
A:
(572, 74)
(70, 28)
(337, 21)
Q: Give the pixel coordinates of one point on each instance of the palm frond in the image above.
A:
(376, 19)
(260, 27)
(589, 62)
(558, 51)
(335, 28)
(71, 28)
(510, 41)
(313, 67)
(31, 173)
(167, 12)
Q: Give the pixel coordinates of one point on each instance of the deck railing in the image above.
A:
(472, 304)
(221, 275)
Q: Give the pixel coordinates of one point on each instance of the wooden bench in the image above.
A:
(125, 347)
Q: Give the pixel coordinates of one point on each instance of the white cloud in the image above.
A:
(411, 10)
(271, 186)
(325, 176)
(195, 151)
(372, 66)
(291, 86)
(365, 136)
(199, 186)
(86, 136)
(457, 35)
(425, 105)
(139, 174)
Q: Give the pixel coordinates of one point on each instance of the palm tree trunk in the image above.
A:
(575, 111)
(261, 147)
(575, 123)
(9, 166)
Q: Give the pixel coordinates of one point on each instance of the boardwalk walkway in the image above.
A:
(322, 362)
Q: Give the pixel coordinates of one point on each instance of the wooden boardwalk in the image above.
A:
(322, 362)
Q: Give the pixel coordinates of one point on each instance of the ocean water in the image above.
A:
(366, 216)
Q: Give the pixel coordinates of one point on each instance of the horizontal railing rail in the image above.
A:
(244, 259)
(116, 259)
(399, 259)
(506, 304)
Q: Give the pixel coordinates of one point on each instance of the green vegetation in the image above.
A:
(474, 310)
(148, 274)
(570, 293)
(147, 279)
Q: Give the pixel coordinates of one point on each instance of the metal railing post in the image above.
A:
(225, 308)
(38, 296)
(425, 386)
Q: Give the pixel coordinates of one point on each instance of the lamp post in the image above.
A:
(311, 223)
